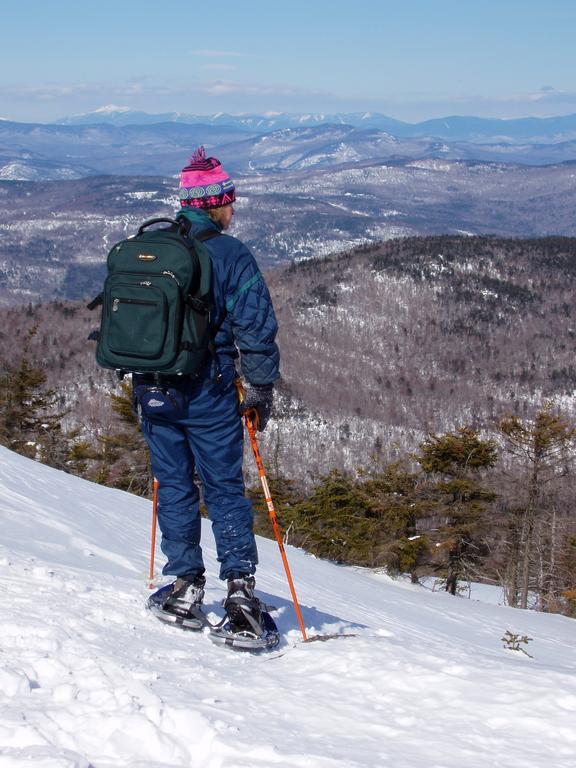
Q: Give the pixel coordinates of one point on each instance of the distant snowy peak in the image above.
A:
(18, 172)
(455, 128)
(110, 109)
(113, 114)
(38, 171)
(117, 115)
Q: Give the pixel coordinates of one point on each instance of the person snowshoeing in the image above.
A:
(203, 432)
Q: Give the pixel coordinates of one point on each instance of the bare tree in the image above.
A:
(543, 448)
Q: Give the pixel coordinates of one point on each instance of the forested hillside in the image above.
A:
(380, 345)
(424, 334)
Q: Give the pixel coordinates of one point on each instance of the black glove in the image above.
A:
(260, 400)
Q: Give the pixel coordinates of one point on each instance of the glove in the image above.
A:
(258, 399)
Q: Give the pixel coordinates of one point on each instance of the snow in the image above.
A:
(431, 164)
(142, 195)
(22, 172)
(110, 109)
(88, 678)
(19, 172)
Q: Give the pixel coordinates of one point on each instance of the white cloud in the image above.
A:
(64, 90)
(551, 95)
(545, 102)
(225, 88)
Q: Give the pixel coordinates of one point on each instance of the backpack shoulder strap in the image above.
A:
(206, 234)
(205, 260)
(202, 236)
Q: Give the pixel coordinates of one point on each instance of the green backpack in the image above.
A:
(156, 302)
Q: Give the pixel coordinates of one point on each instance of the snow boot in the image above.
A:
(247, 625)
(186, 595)
(243, 609)
(181, 602)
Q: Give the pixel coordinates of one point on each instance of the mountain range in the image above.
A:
(454, 127)
(119, 141)
(307, 185)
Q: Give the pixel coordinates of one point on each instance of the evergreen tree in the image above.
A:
(337, 522)
(30, 423)
(81, 453)
(369, 521)
(455, 462)
(394, 496)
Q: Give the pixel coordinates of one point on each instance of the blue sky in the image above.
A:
(410, 59)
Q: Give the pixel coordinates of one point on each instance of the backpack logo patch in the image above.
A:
(147, 257)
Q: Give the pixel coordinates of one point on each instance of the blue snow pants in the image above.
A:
(205, 435)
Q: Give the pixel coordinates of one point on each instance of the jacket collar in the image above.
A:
(199, 220)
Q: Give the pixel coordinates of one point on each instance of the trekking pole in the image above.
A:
(153, 544)
(273, 519)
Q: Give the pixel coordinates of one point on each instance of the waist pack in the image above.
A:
(156, 302)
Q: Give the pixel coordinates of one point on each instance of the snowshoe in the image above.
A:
(266, 638)
(248, 625)
(180, 603)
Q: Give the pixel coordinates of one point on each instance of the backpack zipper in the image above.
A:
(173, 276)
(118, 300)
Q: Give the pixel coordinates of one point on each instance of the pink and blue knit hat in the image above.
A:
(204, 183)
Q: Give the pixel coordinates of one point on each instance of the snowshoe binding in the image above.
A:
(248, 626)
(180, 603)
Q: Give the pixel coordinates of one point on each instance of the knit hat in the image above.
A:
(204, 183)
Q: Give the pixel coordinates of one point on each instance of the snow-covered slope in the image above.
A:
(89, 678)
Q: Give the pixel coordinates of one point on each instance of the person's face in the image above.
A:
(226, 216)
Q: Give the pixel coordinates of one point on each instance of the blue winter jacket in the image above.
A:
(243, 311)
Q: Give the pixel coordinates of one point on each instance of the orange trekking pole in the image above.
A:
(272, 512)
(153, 544)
